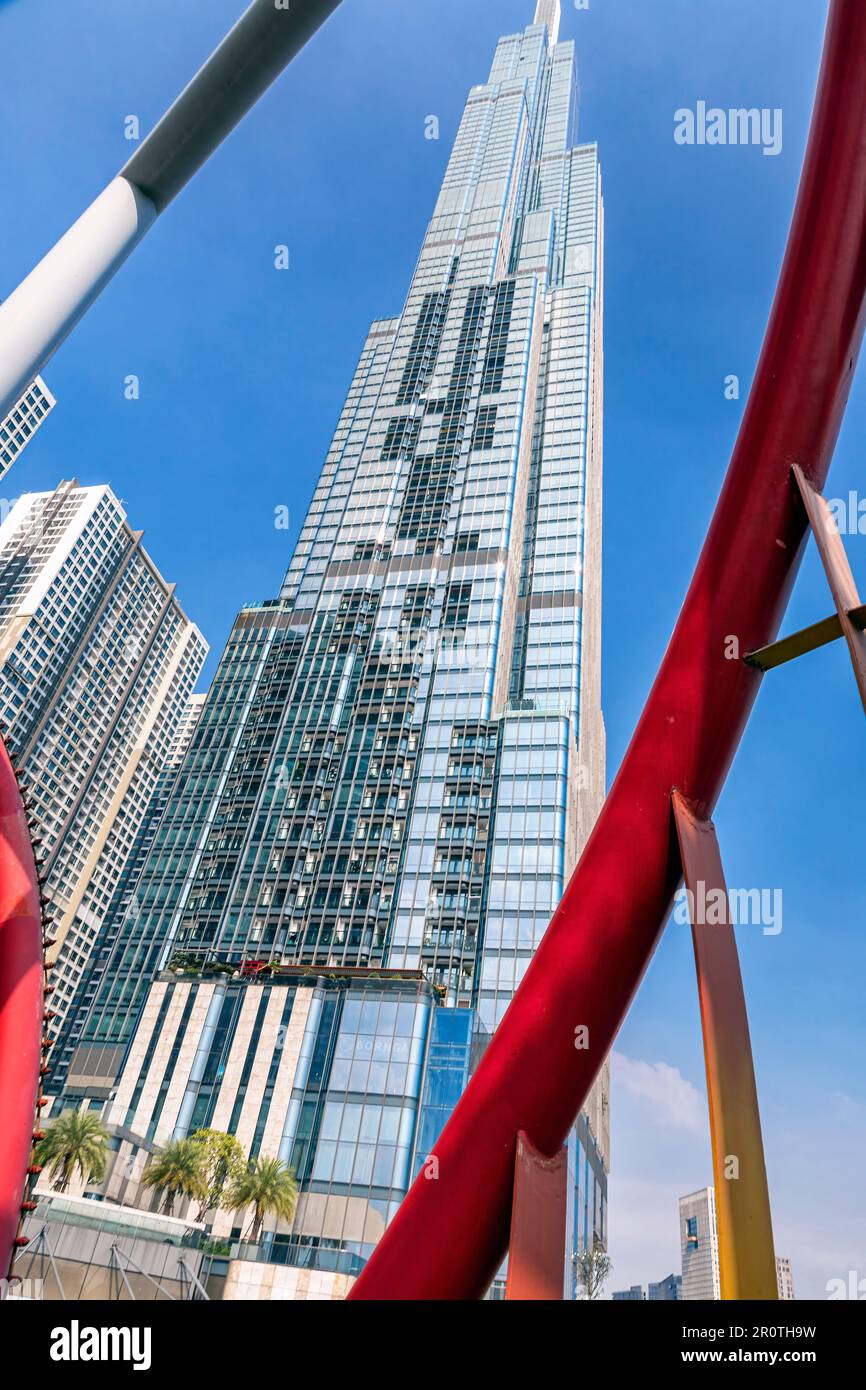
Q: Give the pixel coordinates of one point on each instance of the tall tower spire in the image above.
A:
(401, 757)
(549, 12)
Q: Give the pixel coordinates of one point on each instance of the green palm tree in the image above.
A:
(269, 1187)
(176, 1171)
(76, 1139)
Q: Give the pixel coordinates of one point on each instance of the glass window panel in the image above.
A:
(369, 1016)
(370, 1122)
(387, 1016)
(383, 1165)
(378, 1074)
(324, 1162)
(340, 1071)
(407, 1125)
(397, 1079)
(405, 1020)
(390, 1123)
(351, 1123)
(362, 1173)
(343, 1163)
(401, 1169)
(358, 1076)
(331, 1121)
(351, 1015)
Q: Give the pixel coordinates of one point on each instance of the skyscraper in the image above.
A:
(402, 755)
(784, 1279)
(22, 422)
(699, 1243)
(97, 661)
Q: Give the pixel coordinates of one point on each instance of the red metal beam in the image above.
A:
(449, 1236)
(21, 1004)
(539, 1210)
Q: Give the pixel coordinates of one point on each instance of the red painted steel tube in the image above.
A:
(450, 1234)
(21, 1003)
(539, 1214)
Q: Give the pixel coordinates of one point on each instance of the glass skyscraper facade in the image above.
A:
(402, 754)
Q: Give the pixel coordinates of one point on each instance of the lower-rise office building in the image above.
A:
(323, 1073)
(667, 1290)
(348, 1076)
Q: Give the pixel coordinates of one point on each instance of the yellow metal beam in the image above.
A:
(747, 1258)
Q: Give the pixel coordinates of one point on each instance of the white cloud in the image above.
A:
(815, 1168)
(672, 1100)
(660, 1149)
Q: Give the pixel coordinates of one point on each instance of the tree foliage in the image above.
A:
(76, 1139)
(222, 1164)
(269, 1187)
(177, 1171)
(593, 1267)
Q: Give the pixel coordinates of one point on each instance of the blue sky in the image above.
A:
(243, 370)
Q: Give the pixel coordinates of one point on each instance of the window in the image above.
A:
(401, 438)
(456, 611)
(485, 427)
(424, 348)
(466, 540)
(494, 364)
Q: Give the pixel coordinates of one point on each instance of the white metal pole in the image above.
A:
(45, 307)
